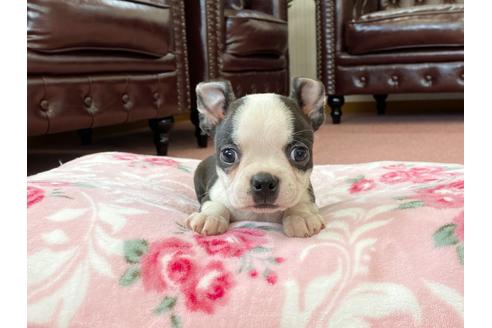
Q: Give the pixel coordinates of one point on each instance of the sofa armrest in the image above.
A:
(331, 16)
(362, 7)
(277, 8)
(205, 30)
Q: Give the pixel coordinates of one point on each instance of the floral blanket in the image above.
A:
(107, 248)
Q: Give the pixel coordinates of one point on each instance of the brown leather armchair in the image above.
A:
(243, 41)
(381, 47)
(101, 62)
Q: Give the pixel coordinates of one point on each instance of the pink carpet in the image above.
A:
(360, 138)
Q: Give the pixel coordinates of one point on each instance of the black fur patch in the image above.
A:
(205, 177)
(223, 134)
(311, 193)
(303, 133)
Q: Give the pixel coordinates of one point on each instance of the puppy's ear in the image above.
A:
(310, 96)
(213, 98)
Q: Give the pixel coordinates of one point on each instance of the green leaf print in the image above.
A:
(270, 228)
(411, 204)
(445, 236)
(460, 249)
(134, 249)
(247, 226)
(175, 321)
(130, 276)
(184, 168)
(260, 249)
(356, 179)
(166, 305)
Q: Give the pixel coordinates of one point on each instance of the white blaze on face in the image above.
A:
(263, 122)
(262, 127)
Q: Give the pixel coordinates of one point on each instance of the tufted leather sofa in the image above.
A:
(381, 47)
(243, 41)
(94, 63)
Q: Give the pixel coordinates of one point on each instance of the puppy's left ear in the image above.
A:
(213, 99)
(310, 96)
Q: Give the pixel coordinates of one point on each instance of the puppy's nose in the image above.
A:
(264, 187)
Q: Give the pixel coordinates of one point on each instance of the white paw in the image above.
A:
(305, 225)
(206, 224)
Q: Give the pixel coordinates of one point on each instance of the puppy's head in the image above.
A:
(263, 141)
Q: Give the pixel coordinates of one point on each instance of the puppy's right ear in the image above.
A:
(212, 99)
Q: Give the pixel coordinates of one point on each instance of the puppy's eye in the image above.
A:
(228, 155)
(299, 154)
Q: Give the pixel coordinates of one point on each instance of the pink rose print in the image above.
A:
(34, 195)
(271, 278)
(458, 185)
(179, 267)
(395, 177)
(395, 167)
(362, 185)
(125, 157)
(209, 289)
(180, 273)
(424, 174)
(444, 196)
(144, 162)
(279, 259)
(161, 161)
(414, 174)
(459, 221)
(233, 243)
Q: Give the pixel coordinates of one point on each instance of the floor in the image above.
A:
(362, 137)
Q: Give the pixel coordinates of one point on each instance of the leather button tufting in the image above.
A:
(361, 82)
(125, 98)
(393, 81)
(45, 106)
(427, 80)
(88, 101)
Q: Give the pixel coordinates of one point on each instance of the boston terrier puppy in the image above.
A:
(262, 166)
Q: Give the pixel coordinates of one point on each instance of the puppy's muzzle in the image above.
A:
(264, 189)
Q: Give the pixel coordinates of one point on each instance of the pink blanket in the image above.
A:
(107, 248)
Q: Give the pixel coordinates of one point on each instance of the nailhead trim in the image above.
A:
(88, 101)
(182, 77)
(327, 45)
(214, 36)
(44, 104)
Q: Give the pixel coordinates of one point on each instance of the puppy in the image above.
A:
(263, 162)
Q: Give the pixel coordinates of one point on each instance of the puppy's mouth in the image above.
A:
(265, 206)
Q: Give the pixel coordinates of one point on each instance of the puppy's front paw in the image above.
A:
(206, 224)
(303, 225)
